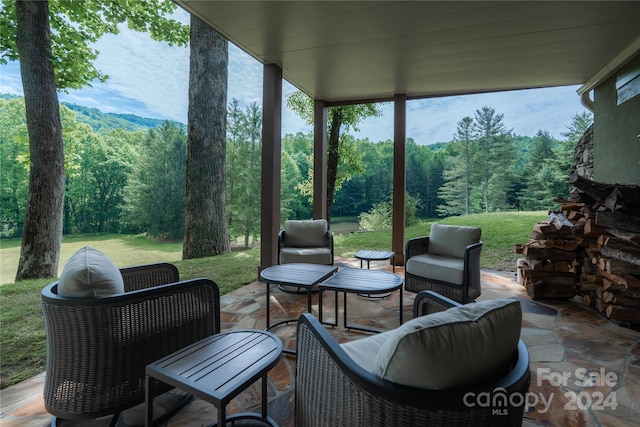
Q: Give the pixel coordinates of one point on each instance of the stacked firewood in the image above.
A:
(590, 247)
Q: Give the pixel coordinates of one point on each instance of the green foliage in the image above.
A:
(343, 160)
(244, 161)
(111, 187)
(77, 25)
(155, 193)
(380, 216)
(14, 152)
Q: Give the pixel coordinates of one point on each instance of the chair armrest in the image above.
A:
(472, 252)
(148, 275)
(281, 236)
(427, 302)
(416, 246)
(330, 239)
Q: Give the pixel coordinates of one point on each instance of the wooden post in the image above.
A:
(271, 164)
(319, 160)
(399, 176)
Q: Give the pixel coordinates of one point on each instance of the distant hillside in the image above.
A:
(100, 121)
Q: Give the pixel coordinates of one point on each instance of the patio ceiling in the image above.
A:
(345, 51)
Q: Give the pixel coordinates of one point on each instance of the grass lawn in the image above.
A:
(22, 335)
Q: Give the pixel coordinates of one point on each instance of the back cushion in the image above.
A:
(464, 345)
(89, 273)
(305, 233)
(452, 240)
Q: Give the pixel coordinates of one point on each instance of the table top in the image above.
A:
(363, 281)
(372, 254)
(298, 274)
(219, 367)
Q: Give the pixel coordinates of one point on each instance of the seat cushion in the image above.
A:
(305, 233)
(437, 267)
(308, 255)
(88, 274)
(452, 240)
(464, 345)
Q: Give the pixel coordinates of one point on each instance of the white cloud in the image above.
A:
(150, 79)
(525, 111)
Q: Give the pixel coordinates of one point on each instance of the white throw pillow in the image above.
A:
(461, 346)
(90, 273)
(452, 240)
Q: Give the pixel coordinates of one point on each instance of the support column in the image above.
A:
(271, 164)
(319, 160)
(399, 176)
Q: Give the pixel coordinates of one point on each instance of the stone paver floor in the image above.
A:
(585, 369)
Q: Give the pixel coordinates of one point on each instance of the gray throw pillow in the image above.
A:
(88, 274)
(461, 346)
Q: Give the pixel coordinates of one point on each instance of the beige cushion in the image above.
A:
(452, 240)
(90, 273)
(307, 255)
(305, 233)
(461, 346)
(437, 267)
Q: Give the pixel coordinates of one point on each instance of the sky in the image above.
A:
(150, 79)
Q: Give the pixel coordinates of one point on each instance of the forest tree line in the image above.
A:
(133, 181)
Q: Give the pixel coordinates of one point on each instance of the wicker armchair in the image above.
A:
(333, 390)
(308, 241)
(450, 266)
(97, 348)
(304, 241)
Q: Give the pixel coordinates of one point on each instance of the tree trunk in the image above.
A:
(42, 234)
(206, 231)
(333, 158)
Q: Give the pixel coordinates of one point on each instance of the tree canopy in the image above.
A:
(77, 25)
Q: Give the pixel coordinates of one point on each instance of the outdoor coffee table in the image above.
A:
(306, 276)
(357, 281)
(375, 255)
(217, 369)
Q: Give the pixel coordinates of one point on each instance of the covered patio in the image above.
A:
(353, 52)
(563, 338)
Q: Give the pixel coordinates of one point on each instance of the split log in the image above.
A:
(541, 290)
(617, 254)
(591, 229)
(551, 277)
(630, 237)
(539, 251)
(564, 244)
(620, 244)
(589, 299)
(615, 279)
(546, 265)
(618, 220)
(613, 196)
(622, 296)
(545, 228)
(594, 189)
(621, 268)
(632, 281)
(621, 313)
